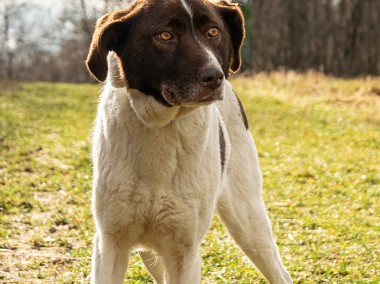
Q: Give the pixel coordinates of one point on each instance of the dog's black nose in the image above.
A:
(212, 77)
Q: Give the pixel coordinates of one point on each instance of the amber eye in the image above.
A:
(213, 32)
(166, 36)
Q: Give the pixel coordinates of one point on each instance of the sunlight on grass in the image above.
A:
(318, 141)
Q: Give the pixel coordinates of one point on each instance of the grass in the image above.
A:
(318, 139)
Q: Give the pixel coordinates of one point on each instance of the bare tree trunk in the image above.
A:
(338, 37)
(6, 46)
(85, 22)
(11, 12)
(106, 5)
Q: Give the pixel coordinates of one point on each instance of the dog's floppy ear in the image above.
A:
(110, 30)
(234, 20)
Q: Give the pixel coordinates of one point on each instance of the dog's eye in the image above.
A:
(165, 36)
(213, 32)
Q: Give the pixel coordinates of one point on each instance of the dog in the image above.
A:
(171, 143)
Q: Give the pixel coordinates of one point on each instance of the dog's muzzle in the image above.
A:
(209, 88)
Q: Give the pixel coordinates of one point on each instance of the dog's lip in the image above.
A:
(216, 95)
(170, 97)
(205, 97)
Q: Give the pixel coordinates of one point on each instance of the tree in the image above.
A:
(11, 16)
(247, 54)
(78, 22)
(340, 37)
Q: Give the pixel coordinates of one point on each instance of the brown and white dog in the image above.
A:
(171, 142)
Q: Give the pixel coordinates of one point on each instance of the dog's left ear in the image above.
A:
(234, 20)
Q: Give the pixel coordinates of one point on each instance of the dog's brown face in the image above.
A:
(178, 51)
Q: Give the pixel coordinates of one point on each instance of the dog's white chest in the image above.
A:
(154, 177)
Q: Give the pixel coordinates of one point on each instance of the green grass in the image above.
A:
(318, 141)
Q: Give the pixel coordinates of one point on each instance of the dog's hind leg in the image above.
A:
(242, 210)
(109, 260)
(154, 265)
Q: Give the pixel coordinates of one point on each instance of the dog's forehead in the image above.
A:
(188, 7)
(191, 15)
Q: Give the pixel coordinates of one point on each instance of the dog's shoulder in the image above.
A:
(232, 110)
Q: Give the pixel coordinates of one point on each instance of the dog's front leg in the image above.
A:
(182, 265)
(248, 223)
(242, 210)
(109, 260)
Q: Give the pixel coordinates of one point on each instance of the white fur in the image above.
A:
(187, 8)
(158, 180)
(211, 56)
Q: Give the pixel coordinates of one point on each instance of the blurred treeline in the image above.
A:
(340, 37)
(48, 40)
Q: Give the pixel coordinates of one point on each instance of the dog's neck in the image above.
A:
(151, 112)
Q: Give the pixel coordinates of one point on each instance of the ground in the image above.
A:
(318, 141)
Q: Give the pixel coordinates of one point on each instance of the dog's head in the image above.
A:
(177, 51)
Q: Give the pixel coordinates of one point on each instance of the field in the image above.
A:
(319, 144)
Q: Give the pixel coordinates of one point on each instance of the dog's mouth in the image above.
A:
(195, 96)
(170, 97)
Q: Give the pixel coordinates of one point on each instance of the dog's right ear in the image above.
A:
(110, 30)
